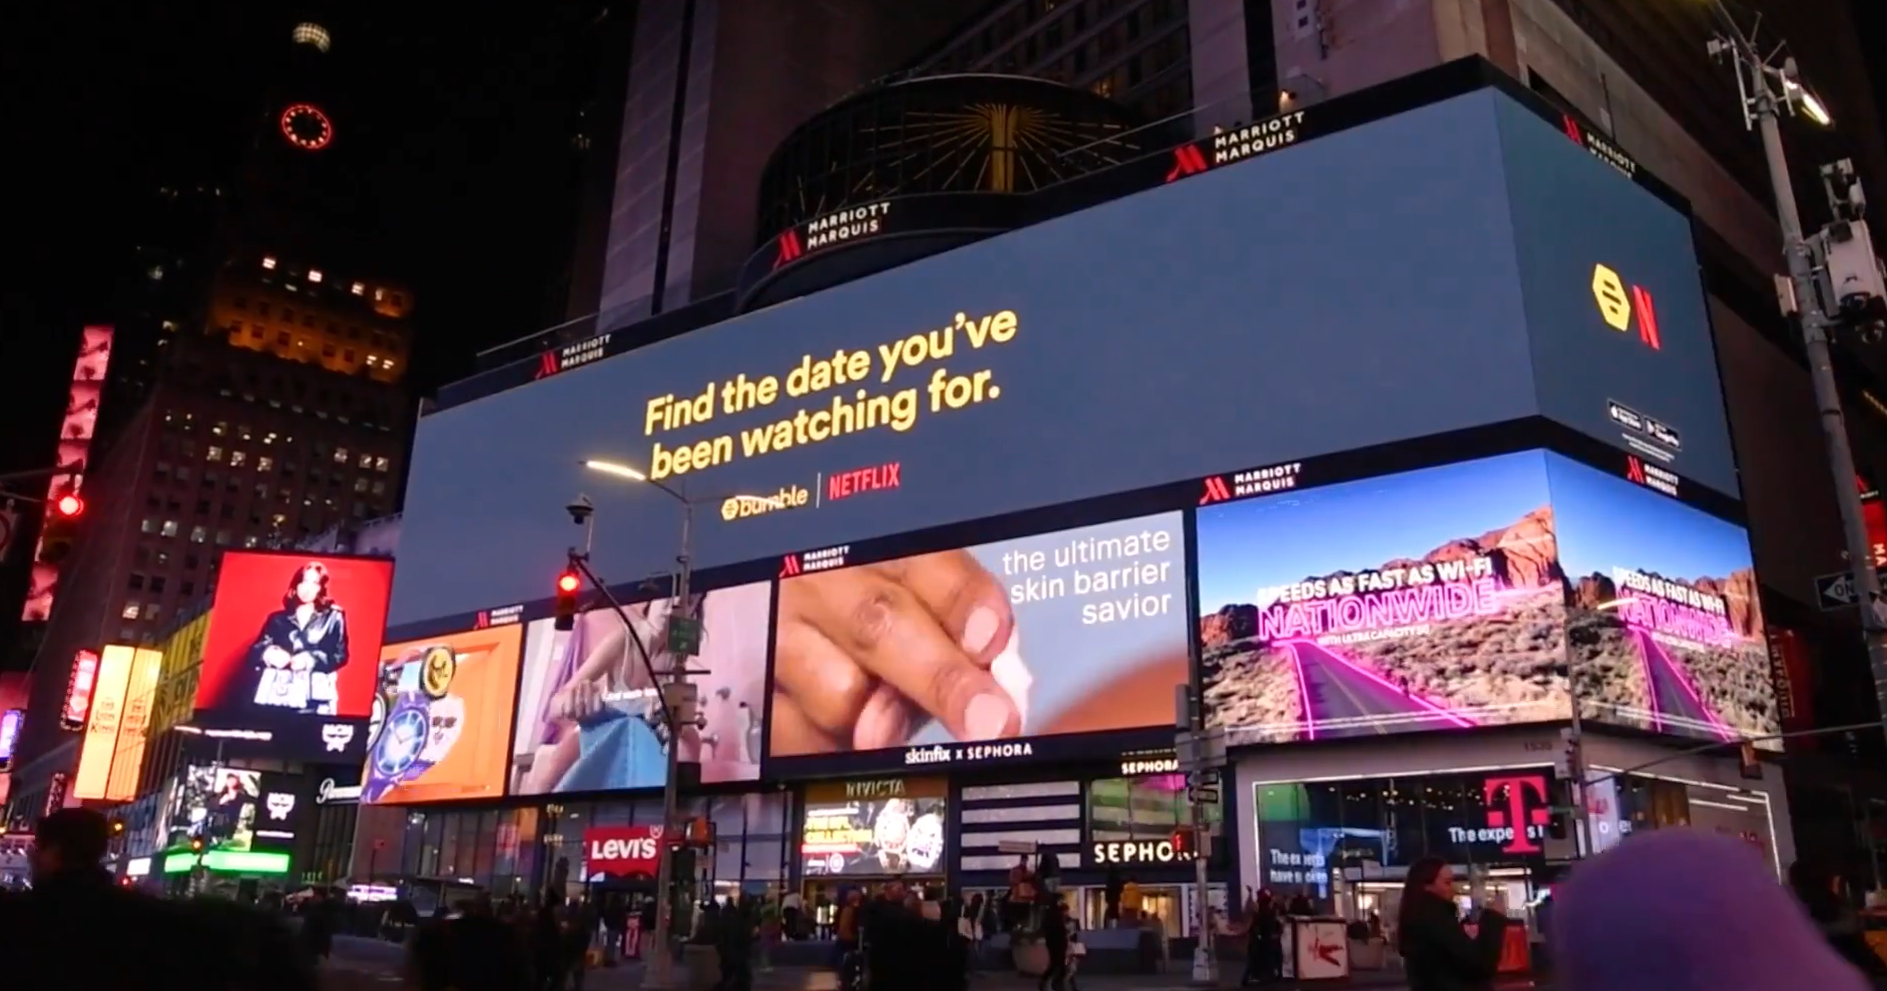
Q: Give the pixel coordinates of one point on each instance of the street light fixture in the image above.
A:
(676, 701)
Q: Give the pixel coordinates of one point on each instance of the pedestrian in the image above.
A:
(474, 952)
(1684, 910)
(579, 932)
(547, 946)
(1437, 953)
(1264, 942)
(735, 945)
(1055, 941)
(1820, 892)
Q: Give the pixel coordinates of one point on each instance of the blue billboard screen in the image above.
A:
(1357, 290)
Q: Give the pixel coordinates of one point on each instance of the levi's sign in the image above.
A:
(621, 850)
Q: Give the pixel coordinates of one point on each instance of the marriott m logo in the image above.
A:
(548, 364)
(1634, 469)
(1215, 491)
(790, 250)
(1187, 160)
(789, 566)
(1622, 306)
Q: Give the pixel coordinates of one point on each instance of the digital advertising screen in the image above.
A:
(1079, 357)
(589, 720)
(874, 828)
(234, 810)
(965, 656)
(1619, 326)
(1666, 629)
(291, 651)
(1425, 600)
(442, 717)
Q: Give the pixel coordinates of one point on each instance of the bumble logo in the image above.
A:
(1621, 305)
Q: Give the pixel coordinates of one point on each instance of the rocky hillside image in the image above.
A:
(1508, 666)
(1733, 681)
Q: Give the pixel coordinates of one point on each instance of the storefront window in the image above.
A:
(1143, 808)
(1345, 845)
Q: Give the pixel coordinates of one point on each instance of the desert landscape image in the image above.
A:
(1502, 662)
(1664, 622)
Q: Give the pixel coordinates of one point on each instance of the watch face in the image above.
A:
(306, 127)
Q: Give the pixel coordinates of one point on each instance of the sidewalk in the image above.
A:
(629, 976)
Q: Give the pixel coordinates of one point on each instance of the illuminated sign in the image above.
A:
(1145, 766)
(140, 693)
(1650, 476)
(621, 850)
(878, 478)
(80, 684)
(1601, 147)
(1518, 811)
(1132, 852)
(10, 721)
(570, 356)
(1237, 145)
(92, 779)
(1256, 481)
(743, 506)
(231, 861)
(75, 445)
(1620, 307)
(56, 792)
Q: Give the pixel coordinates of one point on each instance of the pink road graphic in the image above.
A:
(1341, 694)
(1672, 695)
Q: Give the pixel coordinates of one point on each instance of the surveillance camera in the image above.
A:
(580, 510)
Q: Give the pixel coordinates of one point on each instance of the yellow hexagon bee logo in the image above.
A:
(1608, 290)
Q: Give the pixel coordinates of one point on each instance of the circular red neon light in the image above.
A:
(306, 127)
(70, 505)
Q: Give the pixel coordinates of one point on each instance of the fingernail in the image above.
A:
(987, 717)
(1014, 677)
(882, 722)
(979, 629)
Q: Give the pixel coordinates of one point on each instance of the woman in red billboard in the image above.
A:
(294, 661)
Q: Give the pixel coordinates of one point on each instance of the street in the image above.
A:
(1340, 697)
(373, 965)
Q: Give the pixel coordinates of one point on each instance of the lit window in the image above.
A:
(366, 461)
(314, 275)
(264, 463)
(130, 611)
(380, 464)
(236, 458)
(360, 484)
(148, 525)
(373, 361)
(220, 429)
(340, 455)
(268, 262)
(169, 529)
(357, 289)
(215, 453)
(249, 541)
(387, 363)
(198, 534)
(379, 294)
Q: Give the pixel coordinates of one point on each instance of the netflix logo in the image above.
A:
(845, 484)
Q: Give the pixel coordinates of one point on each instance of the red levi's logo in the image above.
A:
(622, 850)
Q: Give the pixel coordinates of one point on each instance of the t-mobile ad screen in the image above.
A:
(1666, 626)
(966, 656)
(1427, 600)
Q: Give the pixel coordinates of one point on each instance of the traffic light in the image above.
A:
(1750, 765)
(1182, 842)
(61, 526)
(568, 584)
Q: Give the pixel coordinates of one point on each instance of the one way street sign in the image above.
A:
(1834, 591)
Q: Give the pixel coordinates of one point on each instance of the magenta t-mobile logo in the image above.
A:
(1525, 813)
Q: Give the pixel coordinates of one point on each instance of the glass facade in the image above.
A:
(1143, 808)
(511, 851)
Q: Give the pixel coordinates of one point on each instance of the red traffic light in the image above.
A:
(68, 505)
(568, 582)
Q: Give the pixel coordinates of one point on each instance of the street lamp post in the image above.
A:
(674, 699)
(1767, 91)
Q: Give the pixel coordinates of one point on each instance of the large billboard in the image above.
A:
(589, 720)
(1328, 296)
(140, 689)
(100, 744)
(74, 452)
(441, 717)
(1666, 629)
(964, 656)
(1424, 600)
(290, 651)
